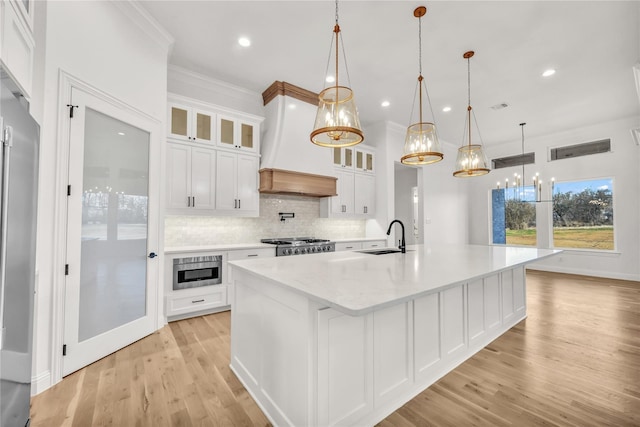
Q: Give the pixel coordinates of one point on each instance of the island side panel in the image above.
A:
(270, 347)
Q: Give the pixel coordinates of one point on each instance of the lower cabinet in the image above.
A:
(184, 303)
(196, 299)
(345, 367)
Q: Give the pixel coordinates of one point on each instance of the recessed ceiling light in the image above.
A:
(244, 42)
(499, 106)
(330, 79)
(549, 72)
(121, 133)
(385, 103)
(446, 109)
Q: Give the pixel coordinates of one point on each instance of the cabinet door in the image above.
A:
(227, 131)
(247, 183)
(364, 160)
(347, 192)
(248, 136)
(226, 173)
(178, 176)
(179, 121)
(203, 126)
(364, 194)
(203, 164)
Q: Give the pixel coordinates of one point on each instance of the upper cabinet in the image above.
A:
(364, 160)
(354, 167)
(343, 157)
(238, 133)
(17, 44)
(212, 160)
(191, 123)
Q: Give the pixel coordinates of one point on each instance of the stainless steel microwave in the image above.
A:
(194, 272)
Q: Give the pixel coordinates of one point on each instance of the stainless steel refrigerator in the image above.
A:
(20, 137)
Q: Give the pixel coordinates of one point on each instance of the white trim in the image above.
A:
(585, 272)
(40, 383)
(66, 82)
(147, 23)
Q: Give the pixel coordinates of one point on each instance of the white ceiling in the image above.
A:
(592, 45)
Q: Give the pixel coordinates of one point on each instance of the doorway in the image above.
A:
(112, 221)
(407, 202)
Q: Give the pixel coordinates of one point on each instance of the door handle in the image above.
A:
(153, 255)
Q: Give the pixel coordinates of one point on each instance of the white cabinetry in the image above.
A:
(191, 178)
(185, 303)
(364, 160)
(17, 44)
(212, 160)
(239, 133)
(364, 194)
(356, 185)
(237, 184)
(190, 123)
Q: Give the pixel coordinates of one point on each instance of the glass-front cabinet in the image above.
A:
(191, 124)
(364, 160)
(237, 133)
(343, 157)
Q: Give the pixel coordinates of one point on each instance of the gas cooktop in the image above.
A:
(300, 245)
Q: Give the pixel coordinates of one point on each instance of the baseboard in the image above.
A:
(40, 383)
(583, 272)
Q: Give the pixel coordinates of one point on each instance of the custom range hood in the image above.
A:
(290, 163)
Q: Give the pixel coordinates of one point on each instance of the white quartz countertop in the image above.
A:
(214, 248)
(357, 283)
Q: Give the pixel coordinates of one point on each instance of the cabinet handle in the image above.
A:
(239, 203)
(194, 200)
(349, 247)
(252, 255)
(197, 301)
(235, 203)
(188, 201)
(374, 246)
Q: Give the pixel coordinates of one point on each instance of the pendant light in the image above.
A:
(421, 144)
(337, 123)
(471, 160)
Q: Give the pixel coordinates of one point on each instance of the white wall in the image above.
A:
(204, 88)
(98, 43)
(621, 164)
(444, 198)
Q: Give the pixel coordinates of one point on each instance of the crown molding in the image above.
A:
(191, 77)
(139, 16)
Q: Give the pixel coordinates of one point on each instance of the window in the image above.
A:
(583, 214)
(514, 216)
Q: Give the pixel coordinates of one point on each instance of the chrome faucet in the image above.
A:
(402, 247)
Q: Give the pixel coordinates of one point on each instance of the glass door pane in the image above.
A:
(179, 121)
(226, 131)
(113, 264)
(247, 135)
(203, 126)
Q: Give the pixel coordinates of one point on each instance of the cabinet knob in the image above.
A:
(153, 255)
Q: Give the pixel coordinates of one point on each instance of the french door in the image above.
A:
(111, 273)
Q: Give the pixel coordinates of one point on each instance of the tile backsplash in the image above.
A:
(205, 230)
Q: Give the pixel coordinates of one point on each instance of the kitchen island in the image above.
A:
(346, 338)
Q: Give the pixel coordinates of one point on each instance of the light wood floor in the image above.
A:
(575, 361)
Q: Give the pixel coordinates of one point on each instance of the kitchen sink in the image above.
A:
(380, 251)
